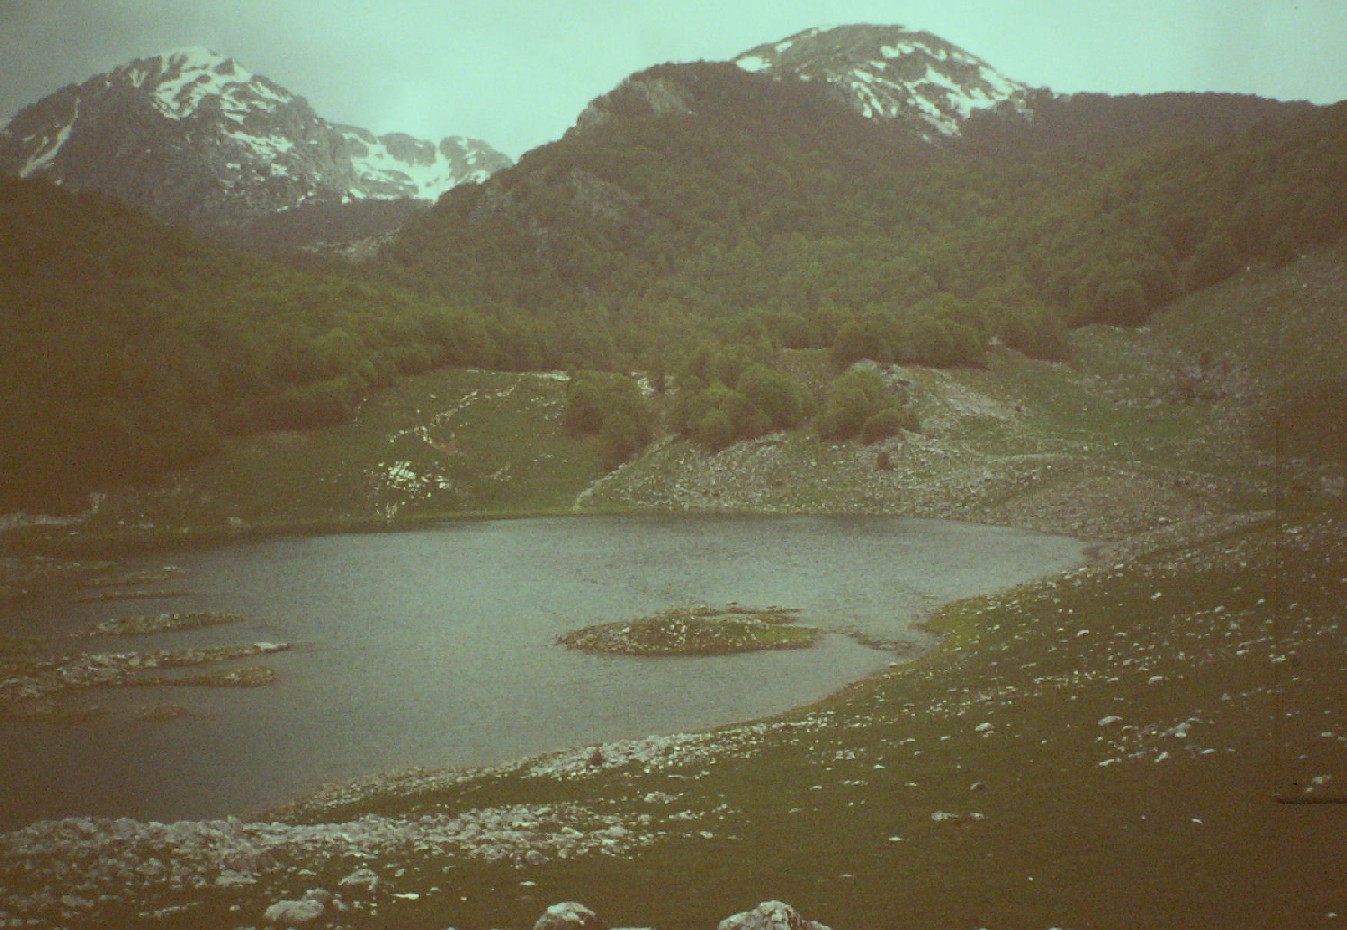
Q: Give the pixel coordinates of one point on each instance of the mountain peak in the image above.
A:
(180, 80)
(193, 136)
(891, 72)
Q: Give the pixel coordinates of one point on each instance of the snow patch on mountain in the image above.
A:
(48, 149)
(397, 161)
(192, 75)
(888, 72)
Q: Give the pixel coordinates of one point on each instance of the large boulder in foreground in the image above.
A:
(302, 911)
(569, 916)
(770, 915)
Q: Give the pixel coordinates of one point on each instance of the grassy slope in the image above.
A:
(447, 443)
(1217, 640)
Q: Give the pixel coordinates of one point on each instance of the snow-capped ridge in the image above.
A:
(890, 72)
(194, 136)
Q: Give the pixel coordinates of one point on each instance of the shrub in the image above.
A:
(612, 408)
(860, 405)
(881, 425)
(620, 438)
(781, 399)
(714, 430)
(763, 399)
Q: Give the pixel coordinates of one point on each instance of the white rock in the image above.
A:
(291, 913)
(770, 915)
(569, 915)
(361, 877)
(1109, 720)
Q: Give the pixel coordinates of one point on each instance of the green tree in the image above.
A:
(860, 405)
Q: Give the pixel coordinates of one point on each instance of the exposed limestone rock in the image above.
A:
(569, 916)
(292, 913)
(770, 915)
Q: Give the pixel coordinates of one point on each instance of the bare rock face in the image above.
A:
(193, 137)
(642, 92)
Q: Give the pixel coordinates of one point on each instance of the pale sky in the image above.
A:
(516, 73)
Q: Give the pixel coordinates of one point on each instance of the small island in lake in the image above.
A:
(695, 631)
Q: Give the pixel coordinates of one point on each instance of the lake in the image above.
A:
(436, 647)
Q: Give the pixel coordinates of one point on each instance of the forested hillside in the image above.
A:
(130, 348)
(696, 222)
(699, 197)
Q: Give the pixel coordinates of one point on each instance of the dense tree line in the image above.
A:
(612, 409)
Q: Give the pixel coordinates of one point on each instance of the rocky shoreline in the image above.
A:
(38, 677)
(78, 868)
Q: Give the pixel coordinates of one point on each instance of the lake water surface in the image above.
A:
(436, 647)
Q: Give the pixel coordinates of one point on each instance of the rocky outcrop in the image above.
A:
(295, 913)
(569, 916)
(770, 915)
(644, 92)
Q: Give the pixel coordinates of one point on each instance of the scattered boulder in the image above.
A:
(569, 916)
(770, 915)
(293, 913)
(362, 878)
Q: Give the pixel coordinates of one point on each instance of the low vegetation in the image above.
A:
(695, 631)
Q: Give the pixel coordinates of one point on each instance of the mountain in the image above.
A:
(891, 73)
(773, 204)
(697, 219)
(194, 137)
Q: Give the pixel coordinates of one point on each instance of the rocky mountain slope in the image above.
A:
(195, 137)
(891, 73)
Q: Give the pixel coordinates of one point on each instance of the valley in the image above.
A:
(306, 497)
(1168, 696)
